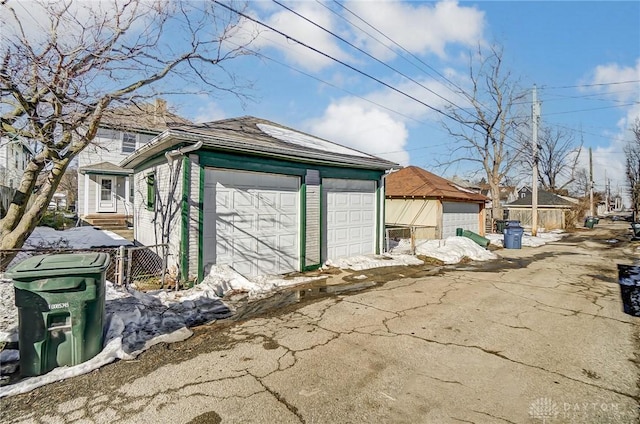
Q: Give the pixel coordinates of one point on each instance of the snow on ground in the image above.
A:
(542, 238)
(135, 320)
(450, 250)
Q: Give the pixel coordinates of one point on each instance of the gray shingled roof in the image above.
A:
(246, 135)
(545, 198)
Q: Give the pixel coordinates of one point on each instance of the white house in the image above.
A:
(105, 190)
(257, 196)
(15, 153)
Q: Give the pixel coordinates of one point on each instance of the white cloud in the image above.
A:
(611, 158)
(419, 27)
(370, 130)
(306, 32)
(208, 111)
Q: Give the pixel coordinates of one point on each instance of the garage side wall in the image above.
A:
(149, 223)
(420, 213)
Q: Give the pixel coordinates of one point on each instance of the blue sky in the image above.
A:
(562, 47)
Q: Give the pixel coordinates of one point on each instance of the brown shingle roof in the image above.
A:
(416, 182)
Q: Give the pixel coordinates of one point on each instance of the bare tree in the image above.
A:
(632, 159)
(581, 183)
(558, 158)
(64, 64)
(488, 134)
(69, 184)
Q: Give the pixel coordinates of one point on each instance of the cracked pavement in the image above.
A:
(538, 336)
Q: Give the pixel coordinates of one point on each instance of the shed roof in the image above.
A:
(258, 137)
(416, 182)
(545, 198)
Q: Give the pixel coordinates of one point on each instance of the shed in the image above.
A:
(260, 197)
(553, 210)
(433, 205)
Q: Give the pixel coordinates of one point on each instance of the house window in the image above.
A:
(151, 191)
(131, 191)
(128, 143)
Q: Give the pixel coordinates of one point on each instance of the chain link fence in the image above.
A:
(396, 233)
(142, 266)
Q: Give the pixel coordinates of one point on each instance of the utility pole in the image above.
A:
(535, 115)
(590, 184)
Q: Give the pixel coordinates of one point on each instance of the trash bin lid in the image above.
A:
(57, 265)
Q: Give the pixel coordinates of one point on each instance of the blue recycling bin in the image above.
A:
(513, 237)
(512, 223)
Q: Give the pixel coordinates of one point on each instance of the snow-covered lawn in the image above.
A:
(136, 321)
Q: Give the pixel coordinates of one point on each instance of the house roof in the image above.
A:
(104, 168)
(416, 182)
(545, 198)
(258, 137)
(142, 117)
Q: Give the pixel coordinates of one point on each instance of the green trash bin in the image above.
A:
(60, 300)
(500, 225)
(589, 222)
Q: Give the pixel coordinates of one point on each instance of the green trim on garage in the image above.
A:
(379, 216)
(200, 224)
(302, 198)
(276, 166)
(184, 245)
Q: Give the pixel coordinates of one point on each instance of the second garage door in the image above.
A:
(459, 215)
(251, 221)
(350, 222)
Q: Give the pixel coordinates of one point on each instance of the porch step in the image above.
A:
(108, 222)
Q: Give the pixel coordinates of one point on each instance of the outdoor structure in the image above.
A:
(553, 210)
(257, 196)
(105, 191)
(15, 153)
(433, 205)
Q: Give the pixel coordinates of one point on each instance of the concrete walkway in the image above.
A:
(537, 337)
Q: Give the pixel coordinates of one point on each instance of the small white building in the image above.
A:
(257, 196)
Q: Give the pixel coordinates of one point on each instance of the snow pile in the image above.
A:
(359, 263)
(528, 240)
(223, 280)
(450, 250)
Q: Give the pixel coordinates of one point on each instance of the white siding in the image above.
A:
(313, 204)
(148, 224)
(194, 216)
(412, 212)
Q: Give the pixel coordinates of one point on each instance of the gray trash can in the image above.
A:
(513, 237)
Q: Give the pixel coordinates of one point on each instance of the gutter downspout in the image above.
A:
(170, 158)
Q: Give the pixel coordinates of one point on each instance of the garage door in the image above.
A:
(251, 221)
(459, 215)
(350, 223)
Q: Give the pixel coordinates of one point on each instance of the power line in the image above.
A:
(394, 42)
(370, 56)
(591, 85)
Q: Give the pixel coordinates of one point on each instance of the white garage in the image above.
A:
(459, 215)
(350, 217)
(251, 221)
(257, 196)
